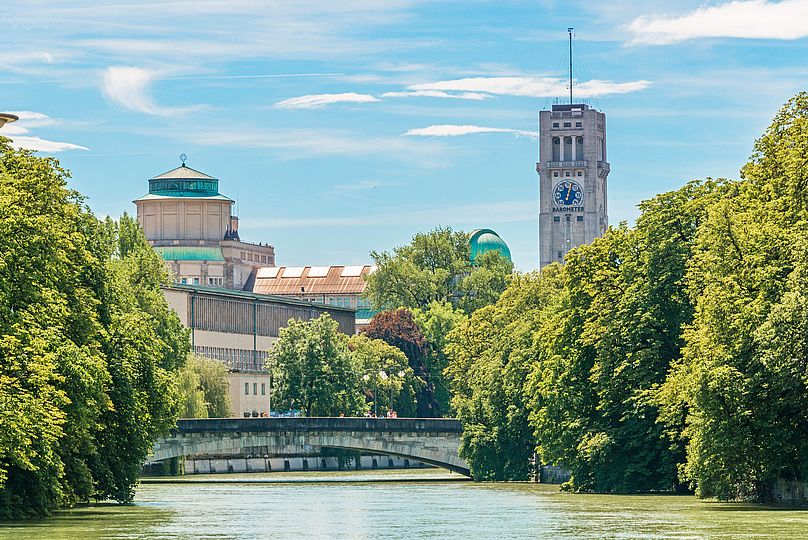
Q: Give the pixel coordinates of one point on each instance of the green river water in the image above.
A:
(398, 505)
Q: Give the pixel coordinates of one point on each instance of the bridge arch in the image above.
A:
(433, 441)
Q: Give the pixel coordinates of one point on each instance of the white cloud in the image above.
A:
(531, 86)
(128, 87)
(477, 96)
(43, 145)
(315, 101)
(751, 19)
(451, 130)
(18, 133)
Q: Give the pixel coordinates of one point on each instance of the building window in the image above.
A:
(246, 389)
(243, 255)
(579, 218)
(555, 173)
(567, 124)
(263, 389)
(255, 388)
(557, 218)
(568, 218)
(556, 149)
(567, 173)
(184, 281)
(249, 256)
(580, 173)
(263, 258)
(578, 124)
(196, 281)
(560, 255)
(555, 124)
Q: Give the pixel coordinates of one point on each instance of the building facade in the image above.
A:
(238, 328)
(191, 225)
(339, 286)
(573, 169)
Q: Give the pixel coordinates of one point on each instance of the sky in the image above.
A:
(345, 127)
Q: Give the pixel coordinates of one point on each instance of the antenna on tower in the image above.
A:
(569, 31)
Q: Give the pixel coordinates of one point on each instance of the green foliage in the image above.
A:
(203, 389)
(435, 267)
(435, 322)
(88, 345)
(381, 365)
(314, 371)
(491, 355)
(743, 383)
(399, 329)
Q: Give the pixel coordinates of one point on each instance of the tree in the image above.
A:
(742, 384)
(204, 389)
(436, 267)
(89, 346)
(490, 358)
(380, 365)
(399, 329)
(314, 371)
(436, 321)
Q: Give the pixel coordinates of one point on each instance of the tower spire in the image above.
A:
(569, 31)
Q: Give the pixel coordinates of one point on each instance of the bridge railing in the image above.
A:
(241, 425)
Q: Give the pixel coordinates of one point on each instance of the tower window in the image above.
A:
(557, 219)
(567, 124)
(580, 173)
(579, 218)
(555, 174)
(578, 124)
(566, 173)
(568, 218)
(555, 124)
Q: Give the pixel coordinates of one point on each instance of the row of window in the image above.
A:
(254, 257)
(568, 124)
(577, 218)
(567, 173)
(255, 389)
(215, 281)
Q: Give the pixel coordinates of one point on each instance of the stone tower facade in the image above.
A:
(572, 169)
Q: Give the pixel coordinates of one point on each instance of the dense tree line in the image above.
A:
(671, 354)
(88, 346)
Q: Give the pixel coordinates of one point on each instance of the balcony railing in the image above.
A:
(604, 165)
(566, 164)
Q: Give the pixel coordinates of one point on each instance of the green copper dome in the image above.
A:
(484, 240)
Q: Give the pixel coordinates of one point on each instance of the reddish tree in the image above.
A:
(398, 328)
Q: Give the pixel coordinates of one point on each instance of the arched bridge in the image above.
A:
(431, 440)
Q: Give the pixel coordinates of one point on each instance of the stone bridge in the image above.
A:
(430, 440)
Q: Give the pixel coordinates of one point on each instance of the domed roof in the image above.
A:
(484, 240)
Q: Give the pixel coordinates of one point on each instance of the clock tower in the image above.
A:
(572, 171)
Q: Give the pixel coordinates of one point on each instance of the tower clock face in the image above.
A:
(568, 193)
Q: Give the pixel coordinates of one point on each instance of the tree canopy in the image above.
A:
(435, 267)
(88, 346)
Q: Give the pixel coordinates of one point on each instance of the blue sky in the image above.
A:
(344, 127)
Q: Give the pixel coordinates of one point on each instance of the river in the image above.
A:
(398, 505)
